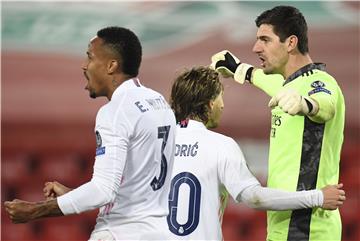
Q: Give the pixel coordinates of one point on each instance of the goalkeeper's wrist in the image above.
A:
(243, 73)
(311, 106)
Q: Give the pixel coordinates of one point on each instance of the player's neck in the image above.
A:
(296, 62)
(116, 81)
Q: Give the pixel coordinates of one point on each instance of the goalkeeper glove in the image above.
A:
(229, 66)
(293, 103)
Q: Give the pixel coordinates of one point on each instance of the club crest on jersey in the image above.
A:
(318, 86)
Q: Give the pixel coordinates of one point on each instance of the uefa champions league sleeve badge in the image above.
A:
(100, 150)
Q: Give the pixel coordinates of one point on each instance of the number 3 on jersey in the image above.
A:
(157, 183)
(192, 222)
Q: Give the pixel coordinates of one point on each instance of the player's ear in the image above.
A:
(292, 43)
(211, 104)
(112, 66)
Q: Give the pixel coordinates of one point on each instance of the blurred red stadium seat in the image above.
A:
(16, 169)
(69, 228)
(32, 192)
(243, 223)
(16, 232)
(65, 168)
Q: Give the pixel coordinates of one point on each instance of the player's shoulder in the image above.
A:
(104, 111)
(151, 91)
(146, 96)
(120, 107)
(220, 139)
(321, 81)
(322, 76)
(141, 91)
(322, 73)
(225, 147)
(106, 115)
(137, 100)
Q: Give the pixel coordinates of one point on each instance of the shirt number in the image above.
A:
(182, 229)
(157, 183)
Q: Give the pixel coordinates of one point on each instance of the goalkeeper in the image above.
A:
(307, 125)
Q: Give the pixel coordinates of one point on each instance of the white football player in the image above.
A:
(207, 162)
(135, 137)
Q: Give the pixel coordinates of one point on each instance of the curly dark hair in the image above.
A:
(286, 20)
(192, 91)
(126, 47)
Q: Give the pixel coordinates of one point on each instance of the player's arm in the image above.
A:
(291, 102)
(325, 97)
(269, 83)
(243, 186)
(107, 175)
(326, 110)
(228, 65)
(258, 197)
(100, 191)
(55, 189)
(318, 104)
(111, 153)
(21, 211)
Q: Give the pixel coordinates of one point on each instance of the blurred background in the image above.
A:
(47, 118)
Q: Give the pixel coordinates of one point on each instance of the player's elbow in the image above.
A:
(326, 111)
(256, 203)
(106, 194)
(252, 198)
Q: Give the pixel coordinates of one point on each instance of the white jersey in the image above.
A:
(205, 162)
(135, 134)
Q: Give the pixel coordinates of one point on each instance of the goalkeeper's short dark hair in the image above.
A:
(192, 91)
(286, 21)
(126, 47)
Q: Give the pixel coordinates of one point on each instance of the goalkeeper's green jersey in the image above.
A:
(305, 152)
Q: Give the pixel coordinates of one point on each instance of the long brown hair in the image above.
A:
(192, 91)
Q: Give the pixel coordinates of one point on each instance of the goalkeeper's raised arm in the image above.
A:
(228, 65)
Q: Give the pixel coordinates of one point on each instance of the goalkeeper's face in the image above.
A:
(273, 53)
(216, 109)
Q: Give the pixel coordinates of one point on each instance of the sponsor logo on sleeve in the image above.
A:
(318, 86)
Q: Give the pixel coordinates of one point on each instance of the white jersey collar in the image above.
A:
(127, 84)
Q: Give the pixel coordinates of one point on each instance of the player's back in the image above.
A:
(143, 126)
(205, 162)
